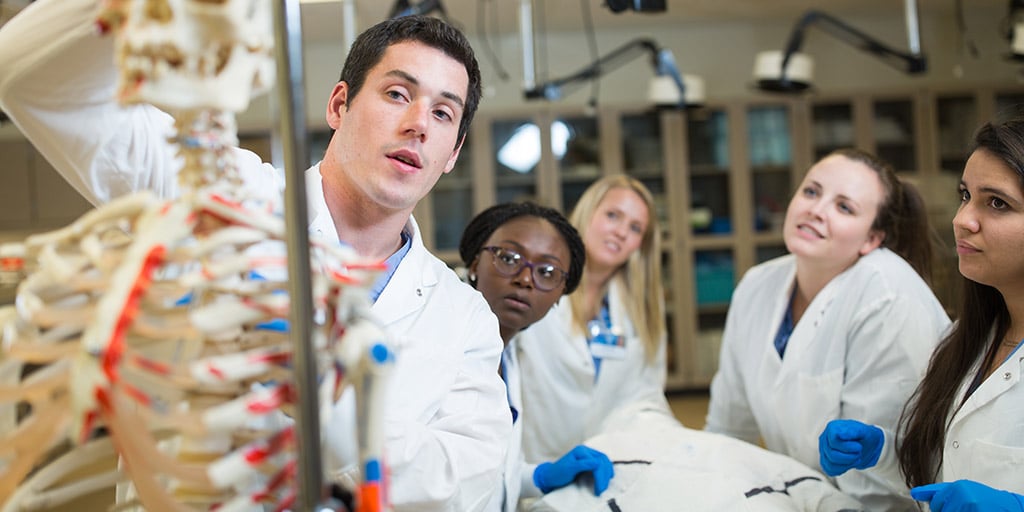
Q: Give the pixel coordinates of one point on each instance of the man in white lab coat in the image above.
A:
(400, 113)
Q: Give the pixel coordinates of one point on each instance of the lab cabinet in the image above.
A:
(742, 160)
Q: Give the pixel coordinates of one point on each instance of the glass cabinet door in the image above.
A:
(771, 162)
(517, 150)
(1009, 105)
(644, 158)
(714, 274)
(770, 252)
(957, 117)
(708, 142)
(893, 127)
(576, 146)
(452, 200)
(831, 128)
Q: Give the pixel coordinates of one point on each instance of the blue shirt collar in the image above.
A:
(392, 265)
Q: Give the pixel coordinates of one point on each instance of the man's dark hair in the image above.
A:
(369, 47)
(488, 221)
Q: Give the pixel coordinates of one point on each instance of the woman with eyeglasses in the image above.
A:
(603, 346)
(523, 257)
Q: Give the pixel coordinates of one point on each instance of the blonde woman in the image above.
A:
(603, 346)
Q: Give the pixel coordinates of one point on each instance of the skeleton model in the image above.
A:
(153, 329)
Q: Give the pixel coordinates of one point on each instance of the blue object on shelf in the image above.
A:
(714, 284)
(720, 225)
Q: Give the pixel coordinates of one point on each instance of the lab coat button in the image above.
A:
(1007, 376)
(419, 292)
(956, 444)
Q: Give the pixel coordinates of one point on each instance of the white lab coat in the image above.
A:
(858, 352)
(447, 421)
(563, 403)
(518, 474)
(985, 439)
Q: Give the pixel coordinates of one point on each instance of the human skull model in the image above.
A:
(193, 54)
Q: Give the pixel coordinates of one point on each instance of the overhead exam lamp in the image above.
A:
(791, 71)
(667, 88)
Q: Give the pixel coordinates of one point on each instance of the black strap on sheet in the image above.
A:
(769, 489)
(631, 462)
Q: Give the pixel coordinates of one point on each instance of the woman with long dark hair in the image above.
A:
(960, 442)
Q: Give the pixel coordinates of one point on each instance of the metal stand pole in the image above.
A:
(291, 131)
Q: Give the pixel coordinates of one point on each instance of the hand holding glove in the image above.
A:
(849, 444)
(967, 496)
(581, 459)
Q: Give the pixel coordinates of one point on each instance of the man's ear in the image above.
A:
(337, 105)
(455, 156)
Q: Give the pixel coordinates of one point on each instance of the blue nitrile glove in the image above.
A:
(581, 459)
(967, 496)
(849, 444)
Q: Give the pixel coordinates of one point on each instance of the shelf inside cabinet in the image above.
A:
(713, 308)
(516, 180)
(647, 172)
(768, 237)
(708, 170)
(771, 169)
(725, 241)
(580, 177)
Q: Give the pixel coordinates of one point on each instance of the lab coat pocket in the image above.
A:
(420, 380)
(813, 402)
(995, 465)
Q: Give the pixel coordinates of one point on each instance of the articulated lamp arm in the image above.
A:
(907, 62)
(662, 59)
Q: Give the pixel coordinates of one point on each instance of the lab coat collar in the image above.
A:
(408, 289)
(804, 330)
(320, 222)
(1006, 376)
(413, 281)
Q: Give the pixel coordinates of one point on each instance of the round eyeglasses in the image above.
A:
(546, 277)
